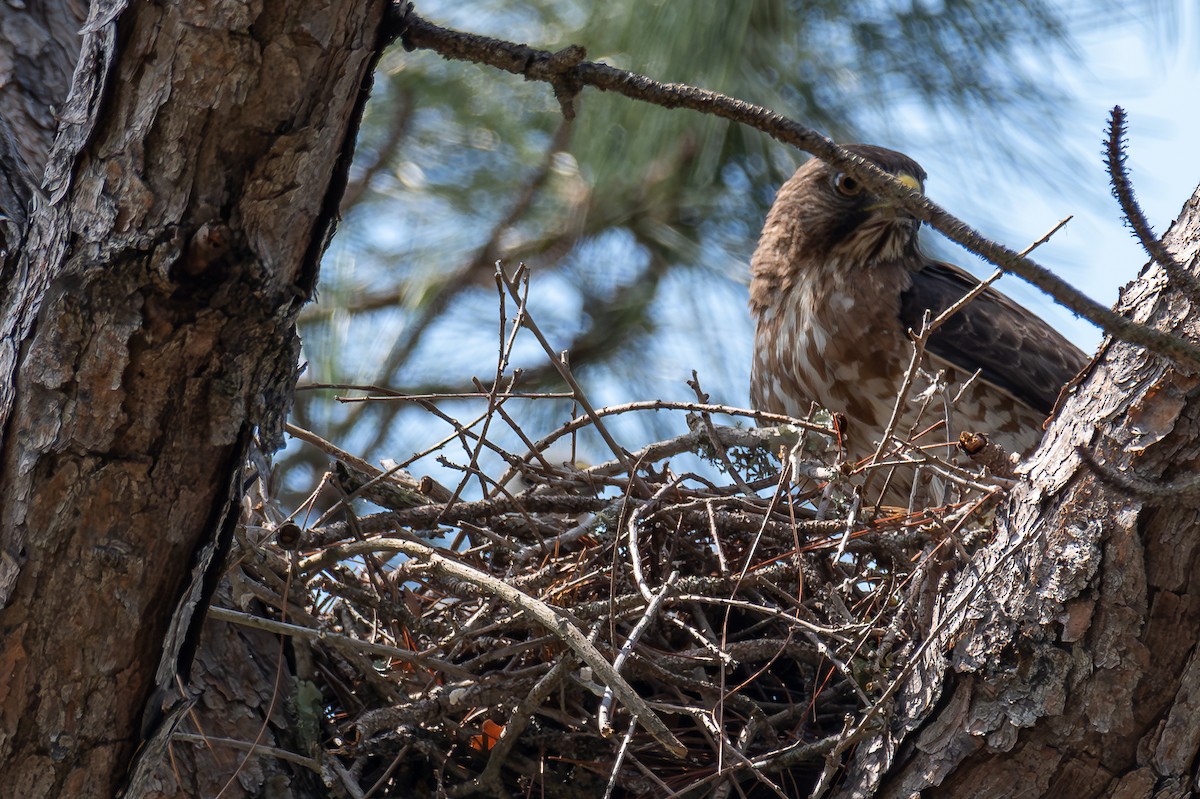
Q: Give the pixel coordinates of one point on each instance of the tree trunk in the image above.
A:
(1072, 664)
(147, 334)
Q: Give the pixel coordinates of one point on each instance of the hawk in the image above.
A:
(838, 279)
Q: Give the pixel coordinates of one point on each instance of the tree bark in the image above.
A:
(147, 335)
(1069, 665)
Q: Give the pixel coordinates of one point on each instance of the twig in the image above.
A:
(489, 778)
(1122, 189)
(633, 526)
(1185, 488)
(621, 750)
(309, 634)
(982, 286)
(506, 345)
(514, 288)
(247, 746)
(630, 642)
(718, 447)
(480, 262)
(921, 341)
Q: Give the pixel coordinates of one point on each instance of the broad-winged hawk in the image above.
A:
(837, 280)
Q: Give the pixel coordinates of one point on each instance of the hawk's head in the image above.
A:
(826, 217)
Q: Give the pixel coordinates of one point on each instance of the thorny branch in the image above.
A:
(1122, 189)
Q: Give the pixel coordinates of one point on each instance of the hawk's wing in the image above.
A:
(1015, 350)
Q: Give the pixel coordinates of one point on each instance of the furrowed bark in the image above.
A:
(147, 334)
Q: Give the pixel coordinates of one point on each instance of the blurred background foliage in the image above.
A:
(638, 222)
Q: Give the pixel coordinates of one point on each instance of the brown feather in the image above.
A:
(836, 281)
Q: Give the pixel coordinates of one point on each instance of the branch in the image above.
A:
(1122, 189)
(541, 65)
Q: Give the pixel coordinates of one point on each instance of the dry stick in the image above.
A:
(608, 410)
(489, 778)
(545, 615)
(920, 339)
(584, 527)
(621, 750)
(851, 523)
(431, 516)
(480, 261)
(333, 450)
(1183, 489)
(751, 607)
(532, 64)
(710, 648)
(349, 782)
(386, 776)
(983, 284)
(483, 257)
(398, 397)
(949, 471)
(246, 746)
(635, 552)
(502, 358)
(716, 538)
(864, 724)
(798, 752)
(1122, 189)
(664, 405)
(721, 740)
(462, 433)
(627, 648)
(275, 688)
(516, 428)
(513, 286)
(366, 647)
(376, 475)
(711, 430)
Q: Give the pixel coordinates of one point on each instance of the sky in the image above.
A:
(1151, 71)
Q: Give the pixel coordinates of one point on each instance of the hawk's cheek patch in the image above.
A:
(845, 226)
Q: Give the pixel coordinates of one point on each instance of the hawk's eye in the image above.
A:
(847, 185)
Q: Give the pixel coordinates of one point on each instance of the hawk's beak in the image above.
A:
(910, 181)
(907, 180)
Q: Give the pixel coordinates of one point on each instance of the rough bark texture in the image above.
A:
(1073, 668)
(146, 333)
(245, 692)
(39, 46)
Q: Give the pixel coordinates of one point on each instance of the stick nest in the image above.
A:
(619, 630)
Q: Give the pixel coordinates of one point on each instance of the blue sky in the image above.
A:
(1151, 71)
